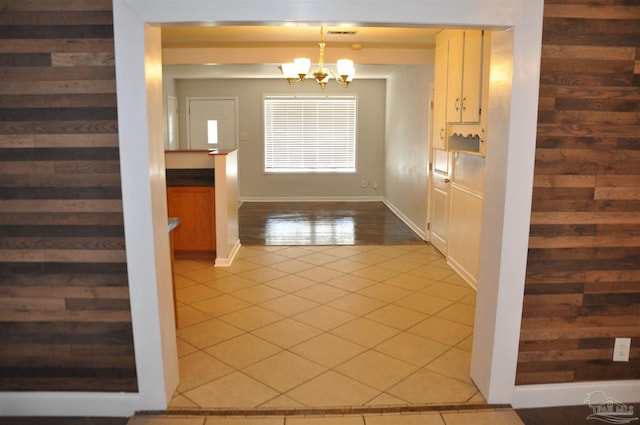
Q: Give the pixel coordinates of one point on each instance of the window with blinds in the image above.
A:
(311, 134)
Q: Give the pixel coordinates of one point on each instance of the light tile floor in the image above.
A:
(324, 327)
(474, 417)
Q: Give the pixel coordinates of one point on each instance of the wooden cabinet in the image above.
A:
(195, 207)
(439, 126)
(464, 75)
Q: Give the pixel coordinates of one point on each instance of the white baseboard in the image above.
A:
(406, 220)
(227, 261)
(314, 199)
(468, 277)
(69, 404)
(573, 394)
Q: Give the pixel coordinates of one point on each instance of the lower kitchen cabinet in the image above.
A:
(195, 207)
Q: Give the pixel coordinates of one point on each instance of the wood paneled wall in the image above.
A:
(583, 273)
(65, 321)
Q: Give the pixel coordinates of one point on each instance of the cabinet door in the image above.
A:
(438, 129)
(471, 76)
(195, 207)
(454, 75)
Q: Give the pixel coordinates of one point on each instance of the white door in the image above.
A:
(440, 186)
(172, 123)
(212, 123)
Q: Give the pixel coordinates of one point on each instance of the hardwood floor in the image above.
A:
(322, 223)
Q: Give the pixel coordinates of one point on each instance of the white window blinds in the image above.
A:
(309, 134)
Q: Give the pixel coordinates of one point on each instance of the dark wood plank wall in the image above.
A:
(583, 274)
(65, 321)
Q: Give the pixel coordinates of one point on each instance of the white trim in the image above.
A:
(468, 277)
(68, 403)
(418, 231)
(227, 261)
(573, 394)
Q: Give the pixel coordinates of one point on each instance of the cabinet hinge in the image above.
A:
(430, 166)
(428, 226)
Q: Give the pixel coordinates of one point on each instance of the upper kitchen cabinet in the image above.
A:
(464, 75)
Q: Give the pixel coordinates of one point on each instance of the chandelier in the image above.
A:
(299, 69)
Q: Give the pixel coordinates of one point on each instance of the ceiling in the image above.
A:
(257, 51)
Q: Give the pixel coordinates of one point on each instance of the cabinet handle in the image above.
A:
(464, 103)
(441, 133)
(457, 104)
(447, 180)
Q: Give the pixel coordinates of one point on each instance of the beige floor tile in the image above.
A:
(219, 306)
(166, 420)
(318, 258)
(295, 251)
(385, 399)
(181, 402)
(199, 368)
(231, 284)
(499, 417)
(409, 281)
(385, 293)
(182, 282)
(287, 333)
(376, 273)
(466, 344)
(455, 363)
(455, 279)
(332, 389)
(291, 283)
(234, 391)
(396, 316)
(422, 256)
(357, 304)
(469, 299)
(430, 418)
(350, 283)
(258, 293)
(342, 251)
(460, 313)
(321, 293)
(244, 265)
(345, 265)
(188, 316)
(328, 350)
(412, 349)
(281, 402)
(185, 266)
(289, 304)
(432, 271)
(262, 275)
(284, 371)
(399, 265)
(291, 266)
(243, 350)
(424, 303)
(365, 332)
(324, 317)
(185, 348)
(442, 330)
(448, 290)
(319, 274)
(477, 398)
(244, 420)
(325, 420)
(206, 334)
(429, 387)
(267, 258)
(195, 293)
(206, 274)
(251, 318)
(368, 258)
(376, 369)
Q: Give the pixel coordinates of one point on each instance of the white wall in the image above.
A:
(407, 144)
(254, 184)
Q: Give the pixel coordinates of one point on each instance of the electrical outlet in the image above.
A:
(621, 349)
(368, 183)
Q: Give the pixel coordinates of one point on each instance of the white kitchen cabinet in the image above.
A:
(464, 75)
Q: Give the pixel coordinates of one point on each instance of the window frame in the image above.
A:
(309, 171)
